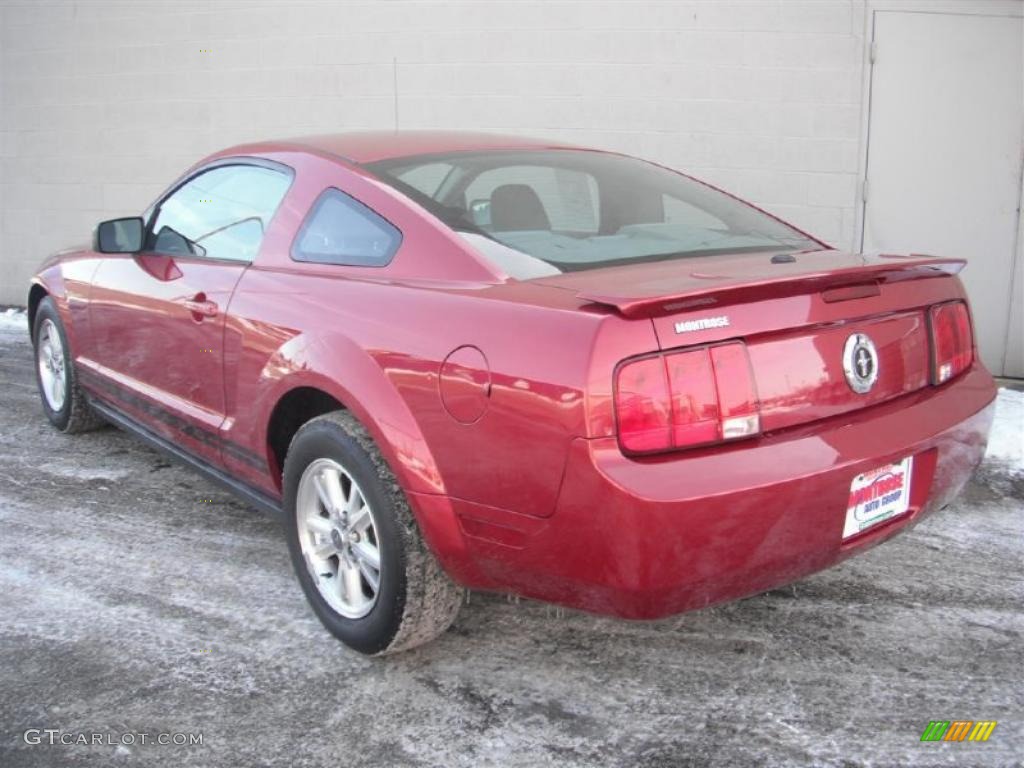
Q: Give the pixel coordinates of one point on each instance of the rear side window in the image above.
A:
(341, 230)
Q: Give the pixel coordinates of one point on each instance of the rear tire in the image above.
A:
(64, 402)
(355, 545)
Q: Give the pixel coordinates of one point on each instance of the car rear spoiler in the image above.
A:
(698, 289)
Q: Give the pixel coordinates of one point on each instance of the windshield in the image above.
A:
(535, 213)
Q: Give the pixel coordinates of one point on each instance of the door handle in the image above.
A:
(200, 307)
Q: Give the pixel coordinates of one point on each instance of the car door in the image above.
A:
(157, 317)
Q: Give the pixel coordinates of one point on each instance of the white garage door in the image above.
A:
(945, 148)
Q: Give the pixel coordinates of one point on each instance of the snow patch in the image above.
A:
(77, 472)
(1006, 440)
(14, 320)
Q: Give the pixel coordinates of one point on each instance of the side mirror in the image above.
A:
(119, 236)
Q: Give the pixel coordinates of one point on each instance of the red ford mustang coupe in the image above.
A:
(459, 361)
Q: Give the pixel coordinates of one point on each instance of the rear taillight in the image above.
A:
(952, 343)
(739, 410)
(642, 406)
(684, 399)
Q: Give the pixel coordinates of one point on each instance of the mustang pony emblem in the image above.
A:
(860, 362)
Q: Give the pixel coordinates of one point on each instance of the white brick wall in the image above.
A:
(103, 103)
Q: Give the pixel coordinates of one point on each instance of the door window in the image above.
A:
(219, 214)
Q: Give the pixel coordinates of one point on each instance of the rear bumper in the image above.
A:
(644, 539)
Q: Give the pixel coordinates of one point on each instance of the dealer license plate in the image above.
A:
(877, 496)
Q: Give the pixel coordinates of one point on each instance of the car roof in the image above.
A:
(370, 146)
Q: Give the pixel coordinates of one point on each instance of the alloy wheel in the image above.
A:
(50, 360)
(338, 538)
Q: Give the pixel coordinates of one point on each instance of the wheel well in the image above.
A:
(292, 411)
(35, 295)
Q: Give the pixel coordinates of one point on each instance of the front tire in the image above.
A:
(64, 402)
(355, 545)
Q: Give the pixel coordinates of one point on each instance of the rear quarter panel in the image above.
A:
(376, 338)
(378, 349)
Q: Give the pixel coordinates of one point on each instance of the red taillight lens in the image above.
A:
(684, 399)
(952, 343)
(694, 399)
(642, 406)
(737, 399)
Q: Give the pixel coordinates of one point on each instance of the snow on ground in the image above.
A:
(13, 320)
(75, 471)
(1006, 440)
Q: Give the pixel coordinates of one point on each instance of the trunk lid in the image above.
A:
(796, 319)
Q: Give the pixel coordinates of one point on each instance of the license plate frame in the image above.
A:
(877, 496)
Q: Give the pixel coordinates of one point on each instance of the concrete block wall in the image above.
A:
(104, 103)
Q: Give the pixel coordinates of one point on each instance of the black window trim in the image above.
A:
(309, 217)
(150, 215)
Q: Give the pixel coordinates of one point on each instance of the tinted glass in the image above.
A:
(567, 198)
(341, 230)
(427, 178)
(572, 210)
(219, 214)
